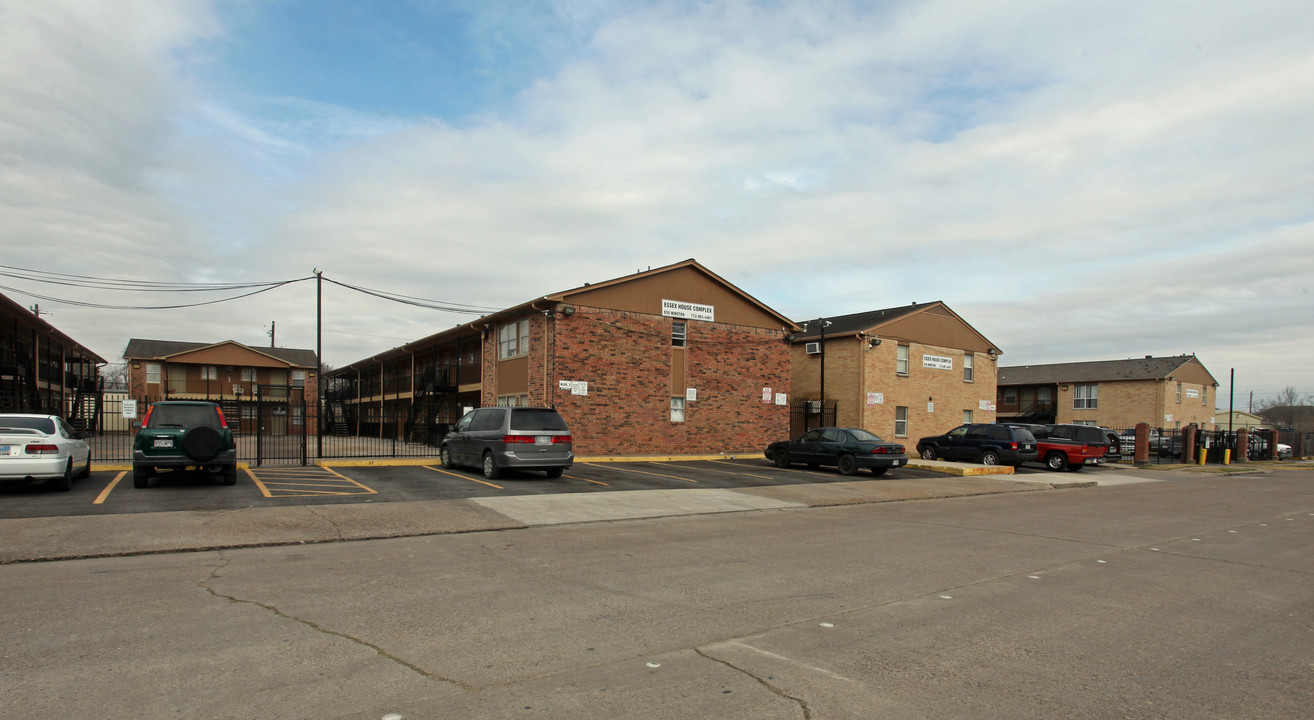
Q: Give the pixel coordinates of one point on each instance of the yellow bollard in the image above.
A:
(1204, 451)
(1227, 456)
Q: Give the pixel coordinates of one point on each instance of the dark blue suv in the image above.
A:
(984, 443)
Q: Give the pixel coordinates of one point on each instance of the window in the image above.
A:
(967, 369)
(901, 363)
(209, 372)
(967, 416)
(153, 373)
(1042, 397)
(298, 378)
(1010, 396)
(521, 400)
(1204, 396)
(248, 374)
(1086, 397)
(679, 333)
(901, 421)
(1179, 393)
(513, 339)
(677, 409)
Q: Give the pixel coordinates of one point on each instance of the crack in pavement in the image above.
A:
(336, 528)
(215, 575)
(802, 704)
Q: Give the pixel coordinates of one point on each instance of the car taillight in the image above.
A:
(42, 449)
(513, 439)
(1013, 445)
(560, 439)
(146, 421)
(222, 422)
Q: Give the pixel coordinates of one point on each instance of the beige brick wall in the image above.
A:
(853, 371)
(1126, 403)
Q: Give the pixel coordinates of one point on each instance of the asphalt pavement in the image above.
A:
(87, 536)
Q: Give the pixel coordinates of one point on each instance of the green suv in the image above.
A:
(180, 434)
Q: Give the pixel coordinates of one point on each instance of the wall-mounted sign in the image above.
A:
(129, 410)
(575, 387)
(782, 399)
(688, 310)
(766, 395)
(1192, 393)
(930, 407)
(691, 394)
(875, 398)
(937, 362)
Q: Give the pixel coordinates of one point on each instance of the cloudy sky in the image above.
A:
(1080, 181)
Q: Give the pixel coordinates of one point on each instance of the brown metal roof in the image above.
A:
(8, 306)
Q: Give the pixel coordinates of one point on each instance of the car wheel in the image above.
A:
(878, 471)
(86, 471)
(928, 453)
(554, 472)
(782, 458)
(847, 464)
(491, 470)
(140, 478)
(1056, 461)
(990, 457)
(230, 475)
(65, 481)
(445, 455)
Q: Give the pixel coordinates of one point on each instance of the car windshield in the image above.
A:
(863, 436)
(537, 419)
(184, 416)
(45, 425)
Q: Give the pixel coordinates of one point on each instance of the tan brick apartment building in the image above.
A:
(1165, 392)
(674, 360)
(42, 370)
(903, 373)
(231, 374)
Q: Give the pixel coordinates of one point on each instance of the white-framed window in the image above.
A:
(1086, 397)
(967, 368)
(901, 421)
(248, 374)
(209, 372)
(153, 373)
(679, 333)
(677, 409)
(298, 378)
(1179, 393)
(513, 339)
(1204, 396)
(967, 416)
(521, 400)
(901, 360)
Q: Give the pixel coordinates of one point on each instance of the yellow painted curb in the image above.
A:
(959, 469)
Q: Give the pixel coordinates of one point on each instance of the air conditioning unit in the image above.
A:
(814, 407)
(812, 348)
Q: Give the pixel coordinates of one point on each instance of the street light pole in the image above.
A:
(319, 366)
(824, 323)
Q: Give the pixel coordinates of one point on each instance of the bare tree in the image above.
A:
(1287, 409)
(115, 376)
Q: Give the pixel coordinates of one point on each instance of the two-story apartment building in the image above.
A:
(42, 370)
(238, 377)
(903, 372)
(1166, 392)
(670, 361)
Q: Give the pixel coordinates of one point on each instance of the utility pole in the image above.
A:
(271, 333)
(319, 363)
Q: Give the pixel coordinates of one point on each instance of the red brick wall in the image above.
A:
(626, 360)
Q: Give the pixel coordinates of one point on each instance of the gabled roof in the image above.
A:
(1146, 368)
(872, 323)
(165, 349)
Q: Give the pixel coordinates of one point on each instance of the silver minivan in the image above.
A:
(513, 438)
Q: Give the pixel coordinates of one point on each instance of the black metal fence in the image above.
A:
(282, 427)
(808, 414)
(1166, 446)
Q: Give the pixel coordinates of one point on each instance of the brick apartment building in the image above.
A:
(42, 370)
(903, 373)
(674, 360)
(257, 387)
(1164, 392)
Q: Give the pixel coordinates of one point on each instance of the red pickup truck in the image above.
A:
(1069, 447)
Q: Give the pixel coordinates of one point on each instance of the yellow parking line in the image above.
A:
(463, 477)
(100, 499)
(763, 477)
(263, 489)
(644, 472)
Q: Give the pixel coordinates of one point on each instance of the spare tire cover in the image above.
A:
(202, 443)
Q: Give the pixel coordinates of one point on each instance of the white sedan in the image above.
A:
(42, 448)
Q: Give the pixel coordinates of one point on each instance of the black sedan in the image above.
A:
(846, 448)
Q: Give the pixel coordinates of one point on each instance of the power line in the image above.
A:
(101, 283)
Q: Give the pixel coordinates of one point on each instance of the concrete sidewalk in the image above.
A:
(88, 536)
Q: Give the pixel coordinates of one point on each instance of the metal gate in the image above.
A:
(276, 428)
(808, 414)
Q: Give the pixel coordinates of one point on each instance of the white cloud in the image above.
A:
(1079, 181)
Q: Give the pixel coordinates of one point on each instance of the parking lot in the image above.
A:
(111, 492)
